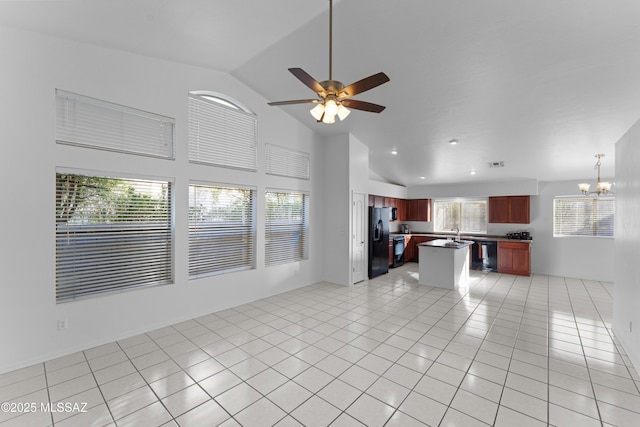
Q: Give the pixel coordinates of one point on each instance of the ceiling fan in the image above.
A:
(334, 97)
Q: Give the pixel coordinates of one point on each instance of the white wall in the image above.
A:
(626, 290)
(387, 190)
(479, 189)
(337, 210)
(33, 67)
(579, 257)
(346, 158)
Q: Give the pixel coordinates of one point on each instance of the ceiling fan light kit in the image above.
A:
(334, 98)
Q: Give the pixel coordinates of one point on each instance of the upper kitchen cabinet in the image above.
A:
(509, 209)
(390, 202)
(376, 201)
(418, 210)
(401, 205)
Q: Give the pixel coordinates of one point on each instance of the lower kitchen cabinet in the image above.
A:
(411, 248)
(514, 258)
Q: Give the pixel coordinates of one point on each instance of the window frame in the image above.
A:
(594, 220)
(210, 271)
(109, 286)
(461, 201)
(92, 123)
(221, 132)
(283, 246)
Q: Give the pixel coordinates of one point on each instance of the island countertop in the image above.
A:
(476, 238)
(449, 244)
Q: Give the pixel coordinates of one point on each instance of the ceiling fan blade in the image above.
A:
(363, 85)
(305, 78)
(296, 101)
(362, 105)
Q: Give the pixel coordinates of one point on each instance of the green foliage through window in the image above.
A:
(469, 216)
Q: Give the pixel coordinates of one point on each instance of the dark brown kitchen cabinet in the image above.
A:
(372, 200)
(419, 210)
(514, 258)
(509, 209)
(378, 201)
(409, 249)
(411, 252)
(401, 205)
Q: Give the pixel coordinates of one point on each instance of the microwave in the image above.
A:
(393, 214)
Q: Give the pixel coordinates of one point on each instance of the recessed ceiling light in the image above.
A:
(453, 141)
(472, 172)
(423, 177)
(394, 151)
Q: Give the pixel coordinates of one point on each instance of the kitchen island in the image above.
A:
(444, 263)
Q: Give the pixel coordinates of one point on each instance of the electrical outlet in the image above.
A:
(63, 324)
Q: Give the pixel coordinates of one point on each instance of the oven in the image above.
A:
(398, 251)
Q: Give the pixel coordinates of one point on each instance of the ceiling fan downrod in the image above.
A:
(330, 39)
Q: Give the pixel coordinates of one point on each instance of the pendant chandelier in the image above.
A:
(603, 187)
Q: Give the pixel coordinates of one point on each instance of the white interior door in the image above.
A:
(358, 259)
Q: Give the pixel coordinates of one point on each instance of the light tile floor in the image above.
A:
(512, 351)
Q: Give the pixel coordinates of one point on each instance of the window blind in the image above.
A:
(221, 135)
(221, 229)
(286, 227)
(470, 216)
(93, 123)
(286, 162)
(112, 234)
(583, 216)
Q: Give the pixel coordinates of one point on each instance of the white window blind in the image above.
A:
(286, 227)
(287, 162)
(93, 123)
(221, 229)
(221, 135)
(583, 216)
(112, 234)
(470, 216)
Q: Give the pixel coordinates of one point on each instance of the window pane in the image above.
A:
(286, 227)
(221, 229)
(221, 135)
(470, 216)
(286, 162)
(93, 123)
(583, 216)
(111, 234)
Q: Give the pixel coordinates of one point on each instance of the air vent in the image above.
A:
(496, 164)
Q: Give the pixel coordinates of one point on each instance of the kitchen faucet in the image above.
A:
(457, 230)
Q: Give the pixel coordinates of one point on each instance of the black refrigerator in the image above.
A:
(378, 241)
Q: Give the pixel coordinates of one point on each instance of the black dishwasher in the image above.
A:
(398, 251)
(484, 256)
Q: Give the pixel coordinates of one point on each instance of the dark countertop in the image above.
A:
(480, 238)
(449, 244)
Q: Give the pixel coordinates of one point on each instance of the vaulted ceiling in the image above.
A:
(541, 85)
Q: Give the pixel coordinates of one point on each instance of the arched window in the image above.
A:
(222, 131)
